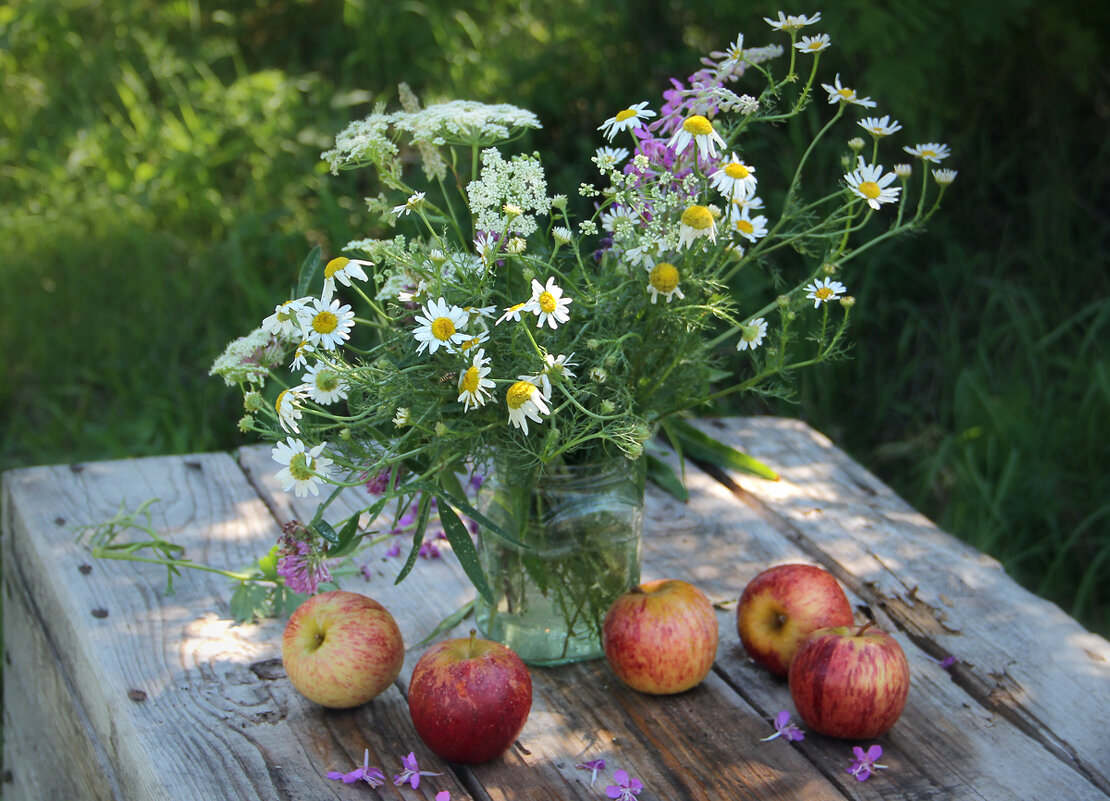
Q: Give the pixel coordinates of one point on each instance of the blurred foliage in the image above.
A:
(160, 184)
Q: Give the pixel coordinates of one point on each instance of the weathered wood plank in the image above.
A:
(207, 724)
(681, 747)
(1020, 656)
(944, 746)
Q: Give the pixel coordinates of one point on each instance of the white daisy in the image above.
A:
(930, 151)
(609, 157)
(644, 254)
(868, 182)
(478, 339)
(304, 470)
(751, 228)
(813, 44)
(562, 235)
(824, 291)
(327, 325)
(696, 221)
(474, 387)
(300, 356)
(700, 131)
(324, 384)
(844, 94)
(414, 201)
(792, 22)
(525, 401)
(286, 319)
(733, 56)
(512, 313)
(944, 177)
(487, 246)
(880, 126)
(287, 406)
(735, 179)
(342, 269)
(618, 217)
(628, 119)
(751, 334)
(903, 170)
(440, 325)
(663, 280)
(548, 304)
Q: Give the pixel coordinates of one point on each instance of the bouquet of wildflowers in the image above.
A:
(491, 315)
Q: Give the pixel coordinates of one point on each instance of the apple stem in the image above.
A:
(865, 627)
(473, 637)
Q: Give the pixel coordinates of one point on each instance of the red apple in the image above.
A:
(340, 649)
(781, 606)
(661, 637)
(850, 681)
(469, 699)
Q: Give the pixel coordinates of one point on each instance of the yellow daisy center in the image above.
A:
(627, 114)
(698, 125)
(299, 467)
(745, 226)
(335, 265)
(547, 302)
(664, 277)
(869, 189)
(846, 93)
(280, 398)
(814, 45)
(470, 343)
(699, 218)
(443, 328)
(928, 154)
(325, 322)
(737, 171)
(519, 394)
(470, 380)
(824, 293)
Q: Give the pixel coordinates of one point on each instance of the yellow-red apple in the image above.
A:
(850, 681)
(340, 649)
(661, 637)
(469, 699)
(781, 606)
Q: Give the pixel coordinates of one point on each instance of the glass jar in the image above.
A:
(580, 526)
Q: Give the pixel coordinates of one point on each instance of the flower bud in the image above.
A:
(246, 423)
(847, 301)
(253, 402)
(856, 144)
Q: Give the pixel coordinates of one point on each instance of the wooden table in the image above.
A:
(114, 690)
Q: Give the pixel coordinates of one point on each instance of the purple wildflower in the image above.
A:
(411, 772)
(429, 550)
(379, 483)
(365, 571)
(443, 795)
(302, 566)
(865, 762)
(947, 662)
(394, 550)
(372, 776)
(784, 728)
(626, 787)
(593, 766)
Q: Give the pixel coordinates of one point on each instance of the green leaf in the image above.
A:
(248, 602)
(324, 529)
(448, 623)
(700, 446)
(469, 510)
(464, 550)
(664, 477)
(309, 268)
(417, 536)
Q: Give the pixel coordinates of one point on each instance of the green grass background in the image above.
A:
(160, 183)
